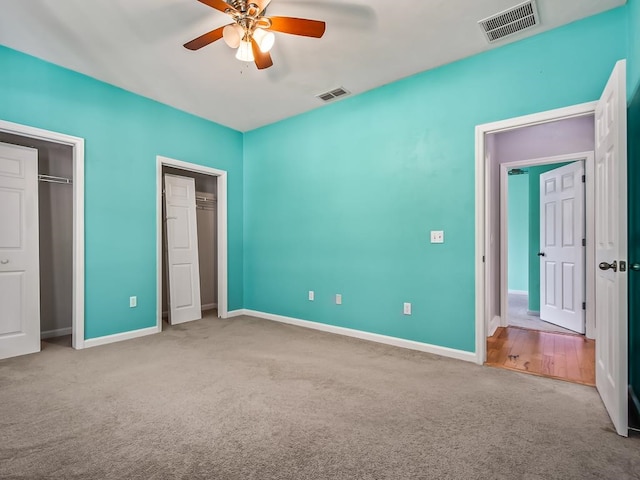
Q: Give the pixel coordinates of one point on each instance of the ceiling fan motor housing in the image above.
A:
(240, 5)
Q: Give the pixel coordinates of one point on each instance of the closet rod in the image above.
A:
(54, 179)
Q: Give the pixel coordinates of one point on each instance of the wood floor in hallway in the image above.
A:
(556, 355)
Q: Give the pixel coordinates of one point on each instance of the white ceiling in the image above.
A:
(137, 45)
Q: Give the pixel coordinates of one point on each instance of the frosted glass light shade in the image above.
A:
(245, 52)
(264, 39)
(232, 34)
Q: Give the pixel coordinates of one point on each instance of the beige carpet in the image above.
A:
(517, 316)
(250, 399)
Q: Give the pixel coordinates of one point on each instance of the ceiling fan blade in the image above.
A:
(297, 26)
(262, 59)
(218, 5)
(204, 40)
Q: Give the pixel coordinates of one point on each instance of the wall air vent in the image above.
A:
(333, 94)
(514, 20)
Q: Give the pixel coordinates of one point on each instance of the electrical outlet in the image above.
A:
(338, 299)
(133, 302)
(312, 296)
(407, 309)
(437, 236)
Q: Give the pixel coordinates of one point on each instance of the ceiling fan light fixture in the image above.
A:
(245, 52)
(232, 35)
(264, 39)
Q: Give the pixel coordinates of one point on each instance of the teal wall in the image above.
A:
(634, 243)
(342, 199)
(123, 134)
(633, 65)
(518, 232)
(338, 200)
(634, 196)
(534, 232)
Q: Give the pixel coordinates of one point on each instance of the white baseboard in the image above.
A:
(55, 333)
(372, 337)
(493, 325)
(518, 292)
(118, 337)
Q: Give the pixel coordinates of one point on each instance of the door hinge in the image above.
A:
(584, 178)
(482, 258)
(584, 242)
(584, 305)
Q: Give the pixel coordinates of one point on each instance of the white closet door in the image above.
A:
(182, 249)
(19, 252)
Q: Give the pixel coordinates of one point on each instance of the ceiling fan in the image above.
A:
(251, 32)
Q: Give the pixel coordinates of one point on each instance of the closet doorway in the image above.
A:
(194, 287)
(43, 274)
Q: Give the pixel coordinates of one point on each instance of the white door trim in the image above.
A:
(221, 230)
(589, 161)
(77, 145)
(482, 253)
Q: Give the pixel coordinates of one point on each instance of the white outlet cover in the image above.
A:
(133, 302)
(312, 295)
(338, 299)
(437, 236)
(406, 309)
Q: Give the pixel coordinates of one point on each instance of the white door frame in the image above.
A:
(483, 254)
(77, 145)
(221, 229)
(590, 251)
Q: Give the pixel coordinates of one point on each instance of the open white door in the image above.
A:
(611, 248)
(19, 251)
(182, 249)
(562, 256)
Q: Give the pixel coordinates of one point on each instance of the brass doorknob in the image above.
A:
(606, 266)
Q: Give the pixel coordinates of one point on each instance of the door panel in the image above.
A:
(611, 246)
(562, 228)
(11, 214)
(19, 251)
(182, 249)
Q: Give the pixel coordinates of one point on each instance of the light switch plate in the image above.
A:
(133, 302)
(437, 236)
(406, 308)
(338, 299)
(312, 296)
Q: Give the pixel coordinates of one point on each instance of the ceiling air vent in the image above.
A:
(333, 94)
(513, 20)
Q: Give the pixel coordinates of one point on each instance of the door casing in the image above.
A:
(221, 230)
(484, 254)
(77, 145)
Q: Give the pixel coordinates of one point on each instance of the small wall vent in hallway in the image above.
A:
(333, 94)
(516, 19)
